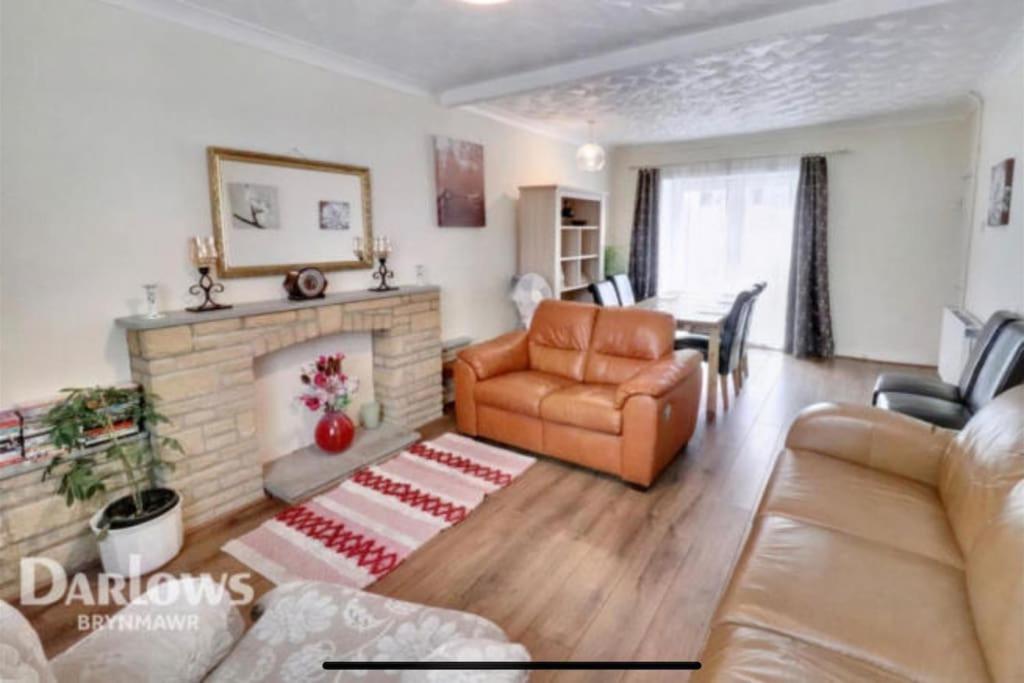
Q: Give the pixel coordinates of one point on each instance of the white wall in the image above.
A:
(895, 225)
(106, 115)
(995, 272)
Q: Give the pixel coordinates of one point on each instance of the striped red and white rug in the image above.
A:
(360, 531)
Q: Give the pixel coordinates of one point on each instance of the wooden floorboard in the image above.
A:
(577, 565)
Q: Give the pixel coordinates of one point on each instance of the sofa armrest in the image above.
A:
(507, 353)
(872, 437)
(658, 378)
(176, 631)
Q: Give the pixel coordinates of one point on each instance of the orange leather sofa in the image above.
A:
(599, 387)
(884, 549)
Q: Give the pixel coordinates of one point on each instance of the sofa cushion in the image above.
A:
(878, 506)
(591, 406)
(893, 609)
(519, 392)
(21, 653)
(736, 654)
(624, 341)
(201, 625)
(937, 411)
(559, 336)
(918, 385)
(305, 623)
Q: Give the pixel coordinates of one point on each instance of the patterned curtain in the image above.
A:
(643, 248)
(809, 314)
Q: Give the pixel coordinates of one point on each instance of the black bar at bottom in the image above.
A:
(511, 666)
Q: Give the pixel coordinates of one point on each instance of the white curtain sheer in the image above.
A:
(724, 226)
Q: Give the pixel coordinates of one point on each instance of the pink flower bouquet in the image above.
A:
(327, 387)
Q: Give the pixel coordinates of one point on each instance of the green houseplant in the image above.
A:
(141, 530)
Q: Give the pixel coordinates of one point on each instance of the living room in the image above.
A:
(627, 341)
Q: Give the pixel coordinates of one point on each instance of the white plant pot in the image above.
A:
(155, 542)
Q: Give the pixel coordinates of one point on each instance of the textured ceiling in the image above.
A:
(922, 58)
(442, 43)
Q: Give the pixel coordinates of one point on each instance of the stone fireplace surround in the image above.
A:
(202, 367)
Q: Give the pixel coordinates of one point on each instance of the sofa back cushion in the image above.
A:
(624, 341)
(560, 336)
(995, 588)
(981, 347)
(1001, 368)
(983, 463)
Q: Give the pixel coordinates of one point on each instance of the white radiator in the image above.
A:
(959, 330)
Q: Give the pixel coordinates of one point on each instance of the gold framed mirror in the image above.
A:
(273, 214)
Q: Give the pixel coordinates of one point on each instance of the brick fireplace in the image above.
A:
(202, 367)
(203, 372)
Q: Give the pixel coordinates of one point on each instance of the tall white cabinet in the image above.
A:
(561, 237)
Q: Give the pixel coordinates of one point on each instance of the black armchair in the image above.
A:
(995, 365)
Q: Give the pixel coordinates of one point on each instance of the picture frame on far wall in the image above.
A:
(274, 214)
(1000, 193)
(459, 180)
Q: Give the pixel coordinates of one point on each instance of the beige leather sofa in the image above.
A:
(883, 549)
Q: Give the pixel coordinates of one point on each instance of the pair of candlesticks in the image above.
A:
(203, 254)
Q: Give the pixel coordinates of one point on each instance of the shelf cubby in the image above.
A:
(561, 238)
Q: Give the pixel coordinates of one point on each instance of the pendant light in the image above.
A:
(590, 156)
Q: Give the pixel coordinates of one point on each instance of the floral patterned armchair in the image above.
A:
(299, 626)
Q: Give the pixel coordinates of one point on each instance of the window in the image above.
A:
(725, 226)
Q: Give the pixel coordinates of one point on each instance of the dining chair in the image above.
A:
(624, 289)
(729, 344)
(743, 371)
(604, 293)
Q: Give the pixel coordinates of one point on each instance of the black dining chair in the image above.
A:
(729, 344)
(624, 289)
(604, 293)
(743, 371)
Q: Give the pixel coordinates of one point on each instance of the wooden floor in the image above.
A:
(577, 565)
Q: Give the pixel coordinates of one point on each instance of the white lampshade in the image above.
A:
(590, 157)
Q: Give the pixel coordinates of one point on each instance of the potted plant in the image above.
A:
(97, 429)
(329, 389)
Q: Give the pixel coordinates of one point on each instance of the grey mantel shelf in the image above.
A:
(179, 318)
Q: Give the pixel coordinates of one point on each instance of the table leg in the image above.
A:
(714, 340)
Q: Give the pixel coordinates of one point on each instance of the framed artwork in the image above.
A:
(459, 179)
(274, 214)
(1000, 193)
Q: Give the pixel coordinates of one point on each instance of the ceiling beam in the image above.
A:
(804, 20)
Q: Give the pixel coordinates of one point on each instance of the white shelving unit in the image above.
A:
(561, 237)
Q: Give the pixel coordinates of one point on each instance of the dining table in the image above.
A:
(700, 313)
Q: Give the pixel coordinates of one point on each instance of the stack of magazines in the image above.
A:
(26, 435)
(10, 438)
(122, 419)
(35, 433)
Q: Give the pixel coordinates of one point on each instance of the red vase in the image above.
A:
(334, 432)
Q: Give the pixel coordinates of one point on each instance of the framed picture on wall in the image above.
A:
(1000, 193)
(274, 214)
(459, 179)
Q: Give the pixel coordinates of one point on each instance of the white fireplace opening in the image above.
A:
(283, 424)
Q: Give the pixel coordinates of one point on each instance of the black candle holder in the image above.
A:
(204, 287)
(383, 274)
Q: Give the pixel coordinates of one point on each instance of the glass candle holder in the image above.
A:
(151, 310)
